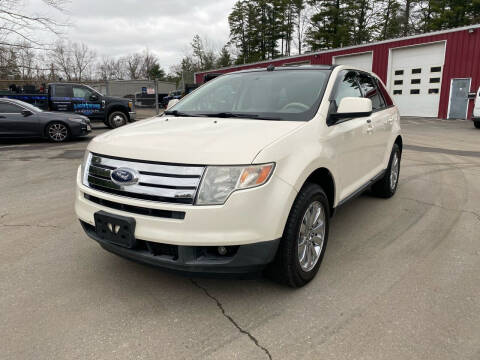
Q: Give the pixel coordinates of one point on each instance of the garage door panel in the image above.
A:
(362, 61)
(416, 78)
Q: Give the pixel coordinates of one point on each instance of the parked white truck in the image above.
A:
(244, 173)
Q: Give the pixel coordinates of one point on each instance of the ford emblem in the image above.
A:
(124, 176)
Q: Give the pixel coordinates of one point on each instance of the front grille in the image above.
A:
(136, 209)
(156, 181)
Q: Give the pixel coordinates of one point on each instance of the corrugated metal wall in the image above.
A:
(462, 60)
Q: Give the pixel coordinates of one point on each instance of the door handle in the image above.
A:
(369, 126)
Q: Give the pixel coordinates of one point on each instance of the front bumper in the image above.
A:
(194, 259)
(475, 118)
(248, 217)
(132, 115)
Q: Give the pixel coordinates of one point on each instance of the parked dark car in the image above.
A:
(81, 99)
(19, 119)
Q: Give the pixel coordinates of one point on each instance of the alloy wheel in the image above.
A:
(394, 170)
(58, 132)
(311, 236)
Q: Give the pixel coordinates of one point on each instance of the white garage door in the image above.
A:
(415, 79)
(362, 61)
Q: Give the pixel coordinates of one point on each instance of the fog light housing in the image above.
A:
(222, 250)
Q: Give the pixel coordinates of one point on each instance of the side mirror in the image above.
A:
(352, 107)
(172, 103)
(93, 97)
(27, 113)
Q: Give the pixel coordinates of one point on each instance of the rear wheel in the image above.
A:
(387, 185)
(304, 239)
(116, 119)
(477, 124)
(57, 132)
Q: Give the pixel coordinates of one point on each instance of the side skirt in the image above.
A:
(362, 188)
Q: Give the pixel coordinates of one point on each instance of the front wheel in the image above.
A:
(304, 239)
(477, 124)
(116, 119)
(57, 132)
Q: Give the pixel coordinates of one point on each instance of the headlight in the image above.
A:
(220, 181)
(87, 160)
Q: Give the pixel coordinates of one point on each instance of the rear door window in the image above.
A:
(6, 108)
(370, 91)
(63, 91)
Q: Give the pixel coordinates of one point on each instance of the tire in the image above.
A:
(477, 124)
(387, 185)
(116, 119)
(57, 132)
(288, 267)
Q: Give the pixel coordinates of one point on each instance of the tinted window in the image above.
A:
(398, 82)
(370, 91)
(433, 91)
(415, 81)
(398, 72)
(436, 69)
(434, 80)
(63, 91)
(415, 91)
(386, 95)
(397, 92)
(347, 87)
(9, 108)
(416, 71)
(82, 92)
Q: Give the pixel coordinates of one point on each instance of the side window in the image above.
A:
(9, 109)
(82, 92)
(370, 91)
(386, 95)
(347, 87)
(63, 91)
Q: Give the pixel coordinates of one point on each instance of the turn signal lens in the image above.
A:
(254, 176)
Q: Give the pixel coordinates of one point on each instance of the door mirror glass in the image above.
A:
(26, 113)
(93, 97)
(351, 107)
(172, 103)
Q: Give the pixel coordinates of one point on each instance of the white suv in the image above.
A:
(244, 172)
(476, 110)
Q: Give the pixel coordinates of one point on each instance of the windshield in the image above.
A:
(271, 95)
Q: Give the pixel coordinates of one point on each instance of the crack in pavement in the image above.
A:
(220, 306)
(471, 212)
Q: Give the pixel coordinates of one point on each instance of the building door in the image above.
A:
(415, 78)
(362, 61)
(458, 105)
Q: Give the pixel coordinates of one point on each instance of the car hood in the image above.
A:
(191, 140)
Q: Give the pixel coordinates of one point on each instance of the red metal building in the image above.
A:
(428, 75)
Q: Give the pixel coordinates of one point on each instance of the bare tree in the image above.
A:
(62, 60)
(16, 24)
(111, 69)
(133, 64)
(83, 57)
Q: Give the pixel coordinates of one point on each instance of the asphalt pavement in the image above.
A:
(400, 278)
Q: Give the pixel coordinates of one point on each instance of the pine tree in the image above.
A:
(224, 60)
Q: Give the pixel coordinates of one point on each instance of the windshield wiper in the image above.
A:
(178, 113)
(239, 115)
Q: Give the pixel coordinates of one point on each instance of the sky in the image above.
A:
(119, 27)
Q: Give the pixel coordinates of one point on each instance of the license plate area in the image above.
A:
(119, 230)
